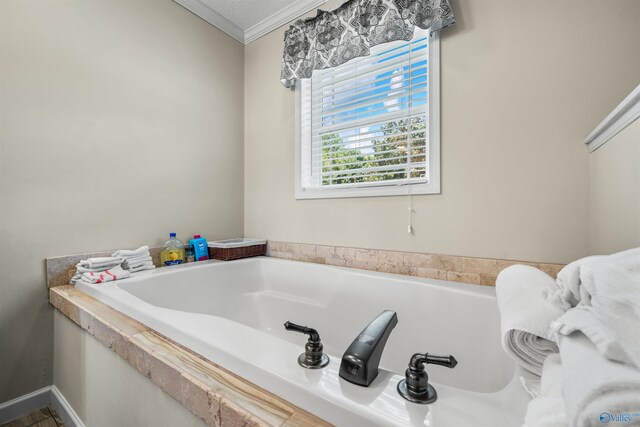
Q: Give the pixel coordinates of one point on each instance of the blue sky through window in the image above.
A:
(375, 94)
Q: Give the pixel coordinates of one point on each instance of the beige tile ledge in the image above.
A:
(60, 269)
(212, 393)
(480, 271)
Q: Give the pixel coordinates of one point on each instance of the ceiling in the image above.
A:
(247, 20)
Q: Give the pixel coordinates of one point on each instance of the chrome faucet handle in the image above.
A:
(415, 387)
(313, 356)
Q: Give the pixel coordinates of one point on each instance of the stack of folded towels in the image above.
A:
(118, 266)
(580, 334)
(135, 260)
(99, 270)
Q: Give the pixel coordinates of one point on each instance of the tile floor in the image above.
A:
(43, 417)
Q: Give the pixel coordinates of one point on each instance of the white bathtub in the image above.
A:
(233, 314)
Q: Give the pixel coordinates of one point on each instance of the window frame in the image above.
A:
(371, 189)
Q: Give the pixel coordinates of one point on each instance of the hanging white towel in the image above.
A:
(612, 321)
(594, 386)
(569, 292)
(547, 409)
(582, 319)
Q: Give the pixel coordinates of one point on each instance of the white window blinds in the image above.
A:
(365, 123)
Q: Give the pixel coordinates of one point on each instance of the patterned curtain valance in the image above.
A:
(333, 38)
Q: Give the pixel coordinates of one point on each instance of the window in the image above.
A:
(370, 127)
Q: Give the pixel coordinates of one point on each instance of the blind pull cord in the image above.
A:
(410, 209)
(410, 121)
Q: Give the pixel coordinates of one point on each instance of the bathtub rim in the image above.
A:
(459, 287)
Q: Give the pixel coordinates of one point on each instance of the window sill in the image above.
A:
(382, 191)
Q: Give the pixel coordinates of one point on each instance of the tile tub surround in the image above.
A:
(60, 269)
(479, 271)
(217, 396)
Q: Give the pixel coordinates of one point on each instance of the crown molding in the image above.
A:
(621, 117)
(212, 17)
(281, 17)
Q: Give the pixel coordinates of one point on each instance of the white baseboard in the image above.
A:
(24, 404)
(63, 409)
(39, 399)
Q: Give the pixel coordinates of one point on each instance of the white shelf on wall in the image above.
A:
(621, 117)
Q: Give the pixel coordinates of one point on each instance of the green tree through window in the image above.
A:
(390, 151)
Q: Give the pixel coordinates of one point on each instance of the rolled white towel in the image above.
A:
(116, 273)
(547, 410)
(526, 315)
(594, 386)
(126, 253)
(96, 263)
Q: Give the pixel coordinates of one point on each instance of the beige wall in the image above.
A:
(123, 120)
(523, 82)
(615, 192)
(105, 390)
(120, 121)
